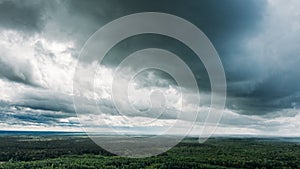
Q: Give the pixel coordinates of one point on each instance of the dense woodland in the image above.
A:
(81, 153)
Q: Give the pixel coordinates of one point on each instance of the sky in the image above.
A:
(257, 42)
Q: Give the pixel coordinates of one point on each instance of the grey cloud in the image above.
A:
(40, 50)
(77, 21)
(46, 100)
(24, 16)
(16, 70)
(17, 115)
(154, 78)
(268, 81)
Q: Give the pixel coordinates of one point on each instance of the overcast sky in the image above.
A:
(257, 41)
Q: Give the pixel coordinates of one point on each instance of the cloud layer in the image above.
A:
(257, 42)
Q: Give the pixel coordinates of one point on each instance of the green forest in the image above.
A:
(20, 152)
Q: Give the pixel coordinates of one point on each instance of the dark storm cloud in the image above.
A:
(21, 15)
(277, 91)
(228, 24)
(223, 22)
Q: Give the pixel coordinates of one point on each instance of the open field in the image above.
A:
(80, 152)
